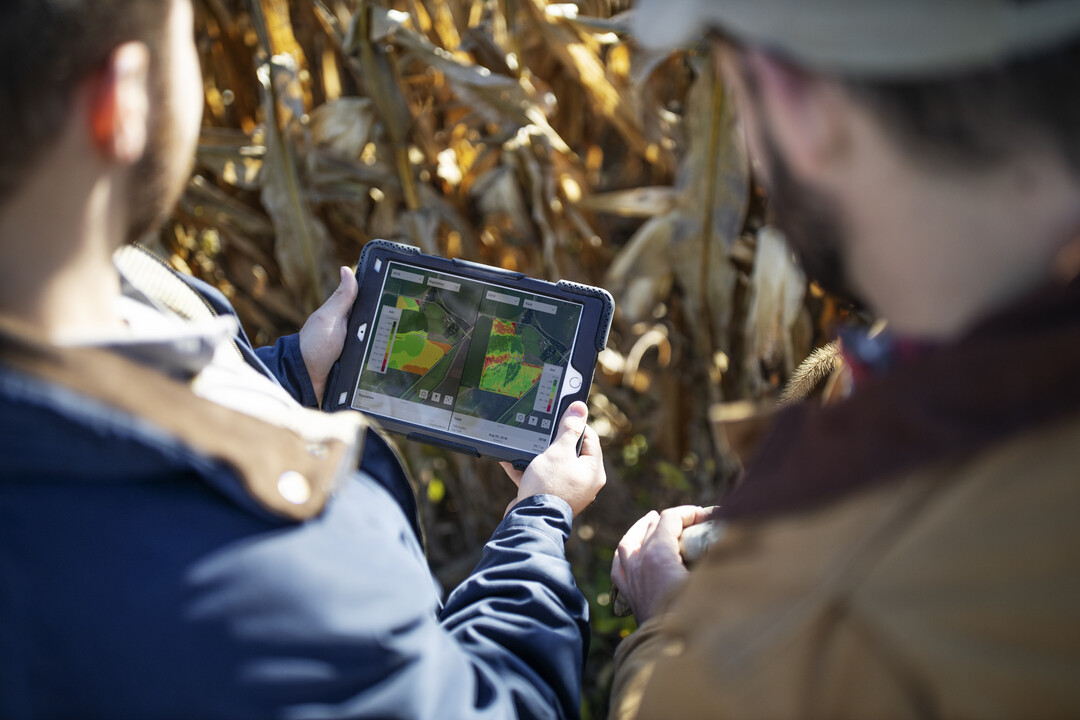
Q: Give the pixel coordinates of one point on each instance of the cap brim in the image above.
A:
(868, 37)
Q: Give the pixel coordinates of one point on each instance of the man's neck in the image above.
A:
(57, 236)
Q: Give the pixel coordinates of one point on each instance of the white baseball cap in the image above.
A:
(869, 37)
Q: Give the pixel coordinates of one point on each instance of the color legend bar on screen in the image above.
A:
(547, 389)
(386, 355)
(382, 341)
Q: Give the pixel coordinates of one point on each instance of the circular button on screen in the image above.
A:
(575, 383)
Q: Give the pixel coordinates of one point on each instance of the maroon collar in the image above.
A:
(1016, 371)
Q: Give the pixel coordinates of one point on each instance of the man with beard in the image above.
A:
(179, 536)
(912, 550)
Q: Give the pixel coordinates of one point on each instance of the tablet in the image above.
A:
(469, 357)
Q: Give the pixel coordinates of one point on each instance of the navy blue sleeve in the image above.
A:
(521, 612)
(286, 363)
(339, 618)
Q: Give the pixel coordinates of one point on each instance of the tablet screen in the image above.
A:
(472, 358)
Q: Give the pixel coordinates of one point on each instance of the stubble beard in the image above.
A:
(159, 177)
(812, 223)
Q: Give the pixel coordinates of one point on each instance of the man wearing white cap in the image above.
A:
(912, 550)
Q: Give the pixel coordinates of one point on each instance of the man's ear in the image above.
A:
(119, 104)
(805, 115)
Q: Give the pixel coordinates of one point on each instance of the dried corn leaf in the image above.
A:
(278, 28)
(502, 203)
(421, 228)
(445, 27)
(488, 53)
(618, 25)
(777, 291)
(345, 125)
(715, 185)
(326, 168)
(450, 218)
(232, 156)
(378, 73)
(579, 55)
(383, 220)
(541, 186)
(203, 199)
(642, 273)
(303, 247)
(635, 202)
(499, 98)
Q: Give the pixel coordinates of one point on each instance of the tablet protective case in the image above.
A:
(464, 356)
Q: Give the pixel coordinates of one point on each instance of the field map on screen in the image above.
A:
(478, 359)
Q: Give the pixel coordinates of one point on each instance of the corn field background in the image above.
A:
(531, 135)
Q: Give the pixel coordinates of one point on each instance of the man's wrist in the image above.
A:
(541, 504)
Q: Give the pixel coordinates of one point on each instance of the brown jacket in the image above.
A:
(931, 571)
(954, 592)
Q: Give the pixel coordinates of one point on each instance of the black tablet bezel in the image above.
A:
(595, 321)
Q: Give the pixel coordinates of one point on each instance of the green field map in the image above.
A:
(505, 370)
(412, 351)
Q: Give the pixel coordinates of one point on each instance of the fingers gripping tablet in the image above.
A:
(467, 356)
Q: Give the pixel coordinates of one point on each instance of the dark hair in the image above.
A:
(47, 47)
(980, 118)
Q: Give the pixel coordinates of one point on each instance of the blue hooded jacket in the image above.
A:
(139, 579)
